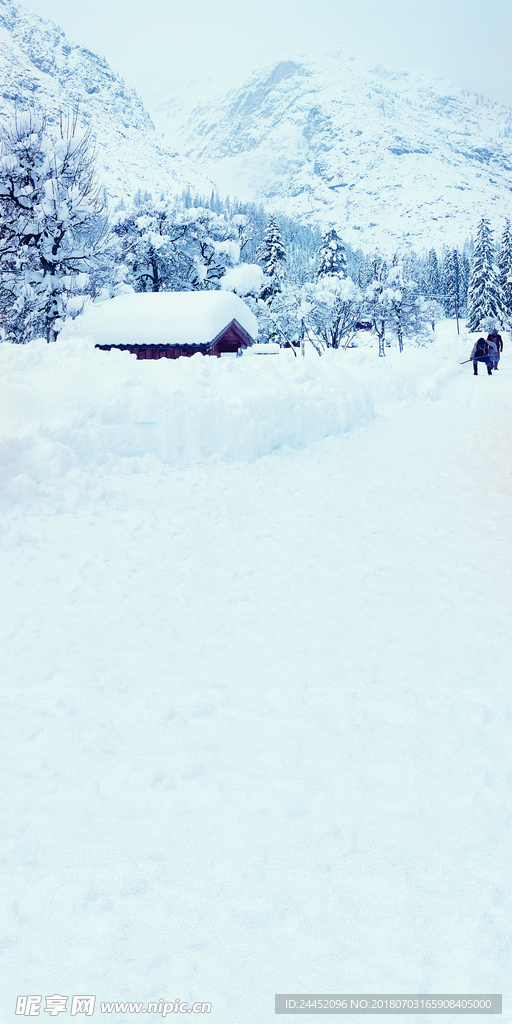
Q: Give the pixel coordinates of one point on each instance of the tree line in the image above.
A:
(60, 247)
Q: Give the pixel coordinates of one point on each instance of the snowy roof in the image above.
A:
(164, 318)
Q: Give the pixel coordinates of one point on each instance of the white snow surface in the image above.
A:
(162, 318)
(255, 651)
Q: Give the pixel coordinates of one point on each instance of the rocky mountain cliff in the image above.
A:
(387, 156)
(39, 65)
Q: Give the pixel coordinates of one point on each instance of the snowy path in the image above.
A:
(257, 718)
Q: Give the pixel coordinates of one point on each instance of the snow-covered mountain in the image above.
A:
(39, 65)
(385, 155)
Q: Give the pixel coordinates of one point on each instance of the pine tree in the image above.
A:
(432, 289)
(484, 292)
(505, 265)
(332, 257)
(452, 277)
(272, 256)
(465, 270)
(364, 272)
(432, 283)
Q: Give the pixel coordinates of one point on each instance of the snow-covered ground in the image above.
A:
(256, 658)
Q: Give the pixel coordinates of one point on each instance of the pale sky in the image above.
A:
(160, 45)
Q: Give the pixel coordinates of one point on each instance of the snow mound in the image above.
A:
(246, 279)
(270, 348)
(68, 405)
(162, 318)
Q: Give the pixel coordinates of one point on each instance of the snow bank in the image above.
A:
(271, 348)
(87, 404)
(68, 405)
(162, 318)
(420, 372)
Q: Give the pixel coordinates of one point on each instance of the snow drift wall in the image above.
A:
(83, 404)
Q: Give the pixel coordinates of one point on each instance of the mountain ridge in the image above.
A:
(39, 65)
(390, 157)
(384, 154)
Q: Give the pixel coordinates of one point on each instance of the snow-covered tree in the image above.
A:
(378, 300)
(432, 284)
(53, 222)
(365, 272)
(505, 268)
(322, 312)
(335, 307)
(215, 245)
(433, 311)
(279, 321)
(406, 307)
(410, 265)
(332, 257)
(245, 280)
(167, 247)
(271, 254)
(245, 228)
(149, 245)
(465, 270)
(484, 292)
(453, 283)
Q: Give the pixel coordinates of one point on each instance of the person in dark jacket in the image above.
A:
(498, 341)
(484, 352)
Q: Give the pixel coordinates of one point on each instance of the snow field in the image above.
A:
(256, 713)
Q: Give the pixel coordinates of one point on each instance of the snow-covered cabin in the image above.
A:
(156, 325)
